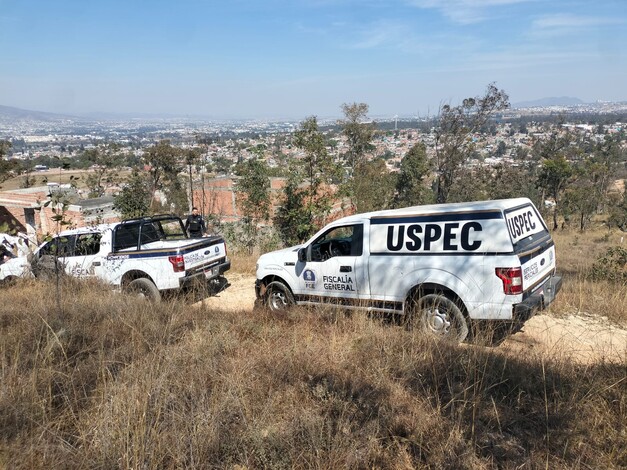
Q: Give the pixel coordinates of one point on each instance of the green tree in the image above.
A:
(293, 220)
(592, 178)
(553, 178)
(373, 186)
(308, 195)
(6, 167)
(618, 210)
(454, 131)
(510, 181)
(253, 186)
(555, 169)
(470, 185)
(411, 183)
(135, 197)
(104, 160)
(358, 134)
(501, 148)
(164, 167)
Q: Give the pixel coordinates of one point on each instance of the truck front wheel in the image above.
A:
(145, 288)
(278, 297)
(437, 315)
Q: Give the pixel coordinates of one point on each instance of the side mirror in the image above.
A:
(302, 254)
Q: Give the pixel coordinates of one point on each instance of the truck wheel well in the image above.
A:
(135, 274)
(430, 288)
(268, 279)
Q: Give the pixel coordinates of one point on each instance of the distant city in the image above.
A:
(34, 134)
(41, 142)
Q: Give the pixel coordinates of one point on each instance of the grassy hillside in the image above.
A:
(100, 380)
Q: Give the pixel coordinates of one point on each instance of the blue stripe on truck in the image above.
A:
(437, 218)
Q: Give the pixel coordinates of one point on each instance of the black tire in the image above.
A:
(145, 288)
(438, 316)
(278, 297)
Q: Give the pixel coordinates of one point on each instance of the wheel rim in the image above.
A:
(139, 292)
(438, 321)
(277, 300)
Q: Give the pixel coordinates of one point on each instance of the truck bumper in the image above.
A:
(209, 273)
(539, 300)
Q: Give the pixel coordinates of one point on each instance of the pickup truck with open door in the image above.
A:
(148, 256)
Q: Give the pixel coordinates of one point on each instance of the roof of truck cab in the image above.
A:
(89, 229)
(430, 209)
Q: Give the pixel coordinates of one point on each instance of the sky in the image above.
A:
(298, 58)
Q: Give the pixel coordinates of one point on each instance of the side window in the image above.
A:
(60, 246)
(126, 236)
(149, 233)
(49, 248)
(338, 241)
(87, 244)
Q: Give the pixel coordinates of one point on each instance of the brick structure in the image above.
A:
(22, 210)
(220, 200)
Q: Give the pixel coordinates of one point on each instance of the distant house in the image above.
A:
(23, 209)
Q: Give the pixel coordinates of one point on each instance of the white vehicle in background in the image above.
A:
(14, 258)
(440, 266)
(147, 256)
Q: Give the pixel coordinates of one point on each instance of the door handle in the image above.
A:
(345, 269)
(96, 263)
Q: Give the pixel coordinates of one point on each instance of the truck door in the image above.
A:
(53, 256)
(85, 257)
(335, 268)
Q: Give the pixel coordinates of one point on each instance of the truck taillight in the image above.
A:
(512, 280)
(178, 263)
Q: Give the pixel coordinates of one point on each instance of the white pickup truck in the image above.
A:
(439, 266)
(147, 256)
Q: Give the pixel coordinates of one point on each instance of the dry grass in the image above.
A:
(242, 263)
(110, 382)
(576, 253)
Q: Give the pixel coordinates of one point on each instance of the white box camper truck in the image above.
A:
(439, 265)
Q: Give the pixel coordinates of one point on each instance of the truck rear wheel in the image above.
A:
(439, 316)
(145, 288)
(278, 297)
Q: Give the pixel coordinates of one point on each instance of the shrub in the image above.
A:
(611, 266)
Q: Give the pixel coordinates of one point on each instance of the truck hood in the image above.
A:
(279, 256)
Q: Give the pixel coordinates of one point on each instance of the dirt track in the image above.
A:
(581, 337)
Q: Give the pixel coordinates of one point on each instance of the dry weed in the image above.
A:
(110, 382)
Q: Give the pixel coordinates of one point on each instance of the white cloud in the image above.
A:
(404, 38)
(465, 11)
(569, 21)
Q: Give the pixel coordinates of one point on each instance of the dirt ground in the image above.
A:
(580, 337)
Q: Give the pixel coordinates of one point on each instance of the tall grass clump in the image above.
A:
(108, 381)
